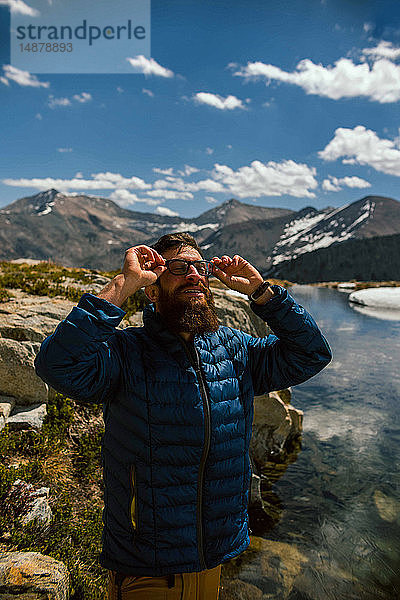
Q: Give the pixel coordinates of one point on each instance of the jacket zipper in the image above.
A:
(133, 506)
(195, 361)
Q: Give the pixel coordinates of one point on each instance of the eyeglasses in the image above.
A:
(178, 266)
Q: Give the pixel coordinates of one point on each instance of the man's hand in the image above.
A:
(142, 267)
(237, 273)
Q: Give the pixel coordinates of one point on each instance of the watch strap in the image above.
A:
(258, 292)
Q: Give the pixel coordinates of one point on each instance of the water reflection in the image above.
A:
(337, 507)
(386, 314)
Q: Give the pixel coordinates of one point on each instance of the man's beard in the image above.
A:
(188, 315)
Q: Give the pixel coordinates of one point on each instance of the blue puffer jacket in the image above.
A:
(178, 422)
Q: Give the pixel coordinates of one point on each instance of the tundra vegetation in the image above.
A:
(64, 456)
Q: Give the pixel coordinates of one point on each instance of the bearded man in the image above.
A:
(178, 408)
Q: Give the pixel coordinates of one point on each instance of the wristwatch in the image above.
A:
(258, 292)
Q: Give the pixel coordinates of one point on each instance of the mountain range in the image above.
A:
(359, 240)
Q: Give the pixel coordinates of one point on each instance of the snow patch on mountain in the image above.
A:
(44, 210)
(319, 230)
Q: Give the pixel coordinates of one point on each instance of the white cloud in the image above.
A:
(169, 171)
(79, 174)
(206, 185)
(228, 103)
(166, 212)
(57, 102)
(177, 183)
(379, 82)
(211, 200)
(4, 80)
(20, 7)
(170, 194)
(329, 186)
(362, 146)
(124, 197)
(120, 90)
(22, 77)
(109, 180)
(83, 97)
(64, 149)
(354, 182)
(188, 170)
(148, 92)
(148, 66)
(333, 184)
(38, 116)
(209, 150)
(383, 50)
(99, 181)
(268, 179)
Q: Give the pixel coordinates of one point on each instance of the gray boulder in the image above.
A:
(17, 373)
(276, 423)
(27, 417)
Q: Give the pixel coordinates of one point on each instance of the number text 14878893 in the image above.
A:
(46, 47)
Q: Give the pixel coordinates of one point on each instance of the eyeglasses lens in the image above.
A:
(181, 267)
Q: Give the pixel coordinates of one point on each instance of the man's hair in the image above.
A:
(176, 240)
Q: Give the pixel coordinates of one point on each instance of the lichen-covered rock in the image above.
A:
(32, 576)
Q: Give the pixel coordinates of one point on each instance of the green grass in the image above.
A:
(69, 464)
(48, 279)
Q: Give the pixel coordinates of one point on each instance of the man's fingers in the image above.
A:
(159, 270)
(148, 257)
(220, 274)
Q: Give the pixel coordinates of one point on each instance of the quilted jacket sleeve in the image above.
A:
(295, 352)
(80, 359)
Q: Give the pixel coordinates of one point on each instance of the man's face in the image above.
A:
(189, 287)
(185, 301)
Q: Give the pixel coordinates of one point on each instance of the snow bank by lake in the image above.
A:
(382, 297)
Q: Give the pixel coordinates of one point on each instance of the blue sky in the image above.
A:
(285, 104)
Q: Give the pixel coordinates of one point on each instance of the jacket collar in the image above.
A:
(156, 328)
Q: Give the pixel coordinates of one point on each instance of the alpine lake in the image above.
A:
(333, 525)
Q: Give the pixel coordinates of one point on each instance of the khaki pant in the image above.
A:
(183, 586)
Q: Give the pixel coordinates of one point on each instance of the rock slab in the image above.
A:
(27, 417)
(32, 576)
